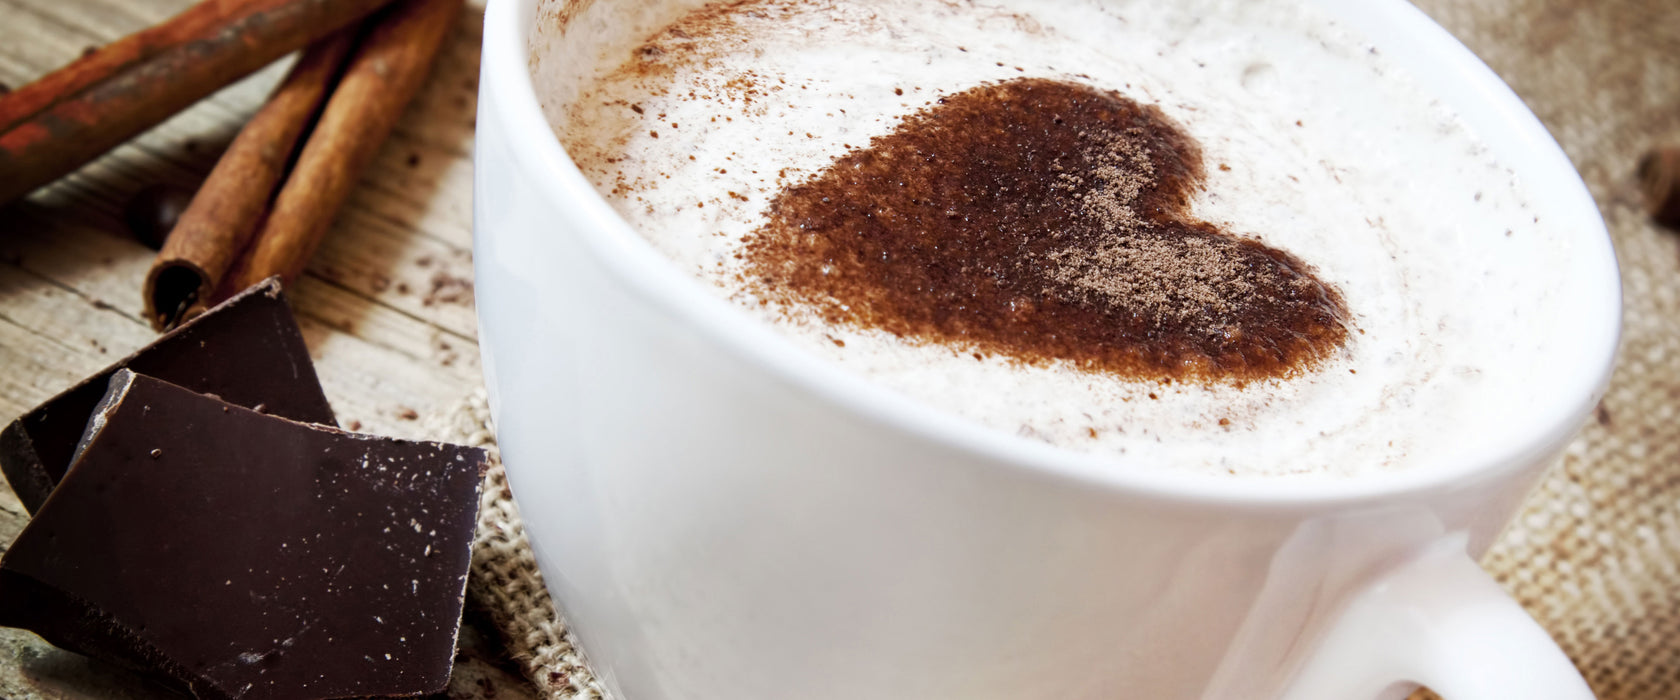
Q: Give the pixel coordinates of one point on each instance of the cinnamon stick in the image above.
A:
(383, 76)
(147, 85)
(199, 22)
(224, 214)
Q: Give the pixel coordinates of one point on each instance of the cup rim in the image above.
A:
(506, 74)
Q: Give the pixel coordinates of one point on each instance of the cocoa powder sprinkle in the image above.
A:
(1043, 221)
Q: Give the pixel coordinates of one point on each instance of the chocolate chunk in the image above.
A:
(242, 555)
(246, 351)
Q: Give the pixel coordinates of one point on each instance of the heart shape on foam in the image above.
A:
(1044, 221)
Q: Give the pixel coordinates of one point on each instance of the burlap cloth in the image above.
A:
(1595, 554)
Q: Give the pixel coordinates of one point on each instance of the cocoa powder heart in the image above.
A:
(1043, 220)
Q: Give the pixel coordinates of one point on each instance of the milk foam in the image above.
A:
(1313, 144)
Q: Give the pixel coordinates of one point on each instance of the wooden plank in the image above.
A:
(100, 21)
(37, 367)
(80, 288)
(426, 164)
(446, 353)
(81, 250)
(56, 43)
(386, 308)
(389, 262)
(410, 178)
(374, 389)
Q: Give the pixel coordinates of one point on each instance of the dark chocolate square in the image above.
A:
(247, 351)
(244, 555)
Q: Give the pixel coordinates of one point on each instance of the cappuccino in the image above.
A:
(1221, 236)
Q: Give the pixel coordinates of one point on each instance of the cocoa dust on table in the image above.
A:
(1043, 220)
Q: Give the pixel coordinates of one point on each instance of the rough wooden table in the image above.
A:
(386, 307)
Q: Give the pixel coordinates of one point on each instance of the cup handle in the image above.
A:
(1437, 620)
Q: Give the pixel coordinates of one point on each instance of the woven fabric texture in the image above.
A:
(1595, 554)
(504, 581)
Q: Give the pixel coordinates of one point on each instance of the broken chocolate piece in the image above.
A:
(246, 351)
(243, 555)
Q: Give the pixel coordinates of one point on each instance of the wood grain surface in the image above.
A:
(386, 307)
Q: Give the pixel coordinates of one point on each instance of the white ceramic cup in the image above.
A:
(720, 516)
